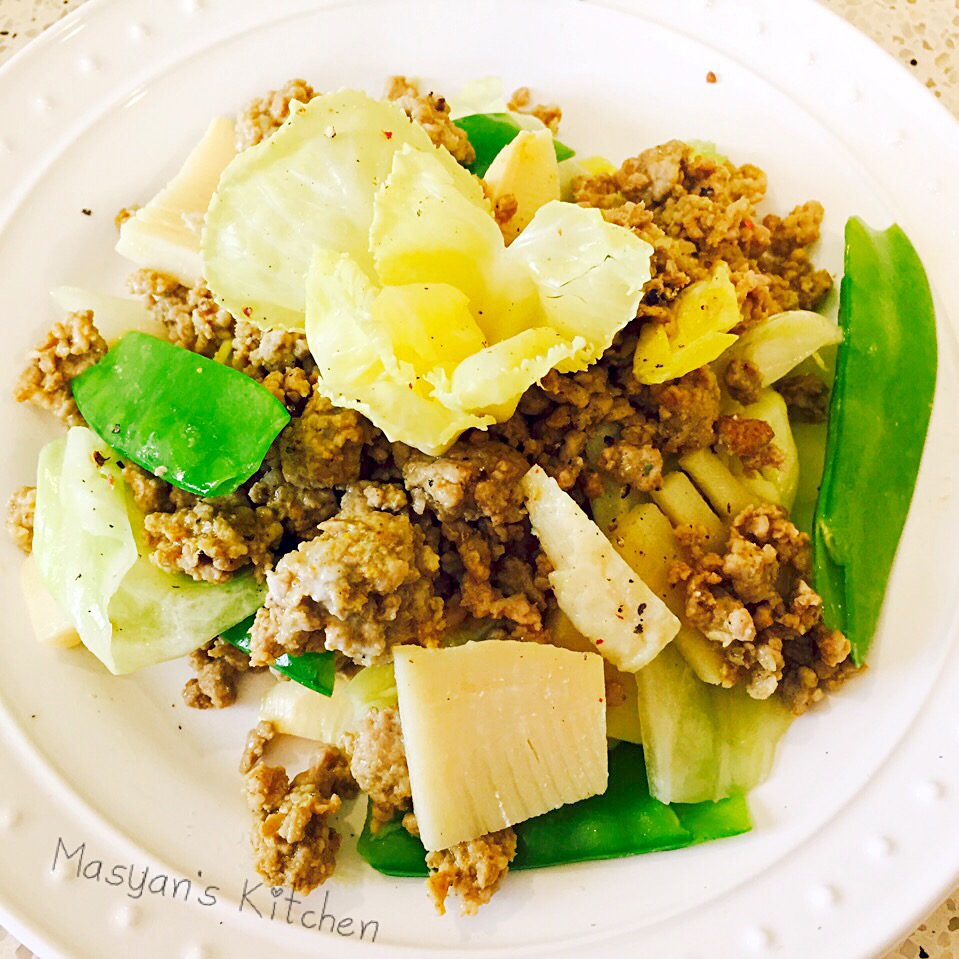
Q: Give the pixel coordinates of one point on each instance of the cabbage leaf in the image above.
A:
(460, 326)
(703, 742)
(705, 313)
(129, 613)
(309, 185)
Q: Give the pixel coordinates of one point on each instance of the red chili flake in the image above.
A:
(600, 700)
(248, 311)
(599, 642)
(748, 223)
(388, 134)
(710, 77)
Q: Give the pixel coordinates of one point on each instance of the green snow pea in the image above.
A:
(196, 423)
(624, 821)
(490, 132)
(316, 671)
(878, 417)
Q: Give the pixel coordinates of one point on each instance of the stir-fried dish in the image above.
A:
(503, 460)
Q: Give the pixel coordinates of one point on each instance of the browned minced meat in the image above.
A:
(556, 421)
(751, 440)
(476, 478)
(489, 555)
(688, 411)
(218, 667)
(149, 492)
(20, 510)
(259, 353)
(191, 316)
(259, 737)
(695, 211)
(363, 585)
(743, 380)
(755, 601)
(806, 395)
(293, 842)
(292, 386)
(640, 467)
(472, 870)
(263, 116)
(504, 208)
(73, 345)
(550, 114)
(321, 448)
(299, 510)
(431, 112)
(378, 764)
(213, 538)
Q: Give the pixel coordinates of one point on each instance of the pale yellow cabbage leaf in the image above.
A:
(461, 326)
(705, 312)
(309, 185)
(349, 350)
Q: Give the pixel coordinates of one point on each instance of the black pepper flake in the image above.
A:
(115, 428)
(99, 458)
(640, 609)
(87, 212)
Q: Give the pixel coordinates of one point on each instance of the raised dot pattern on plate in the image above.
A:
(125, 916)
(928, 790)
(824, 896)
(757, 939)
(879, 847)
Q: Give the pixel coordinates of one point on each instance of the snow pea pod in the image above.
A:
(490, 132)
(624, 821)
(316, 671)
(196, 423)
(878, 418)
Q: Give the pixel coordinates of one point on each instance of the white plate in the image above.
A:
(855, 836)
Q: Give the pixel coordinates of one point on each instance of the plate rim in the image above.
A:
(28, 57)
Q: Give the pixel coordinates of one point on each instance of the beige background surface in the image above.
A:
(922, 34)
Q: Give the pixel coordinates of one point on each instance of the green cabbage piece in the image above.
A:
(701, 742)
(128, 613)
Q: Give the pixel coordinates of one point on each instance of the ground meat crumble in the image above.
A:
(433, 114)
(378, 764)
(264, 115)
(806, 396)
(751, 440)
(293, 842)
(696, 210)
(472, 870)
(20, 510)
(191, 317)
(73, 345)
(755, 601)
(218, 667)
(363, 585)
(213, 538)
